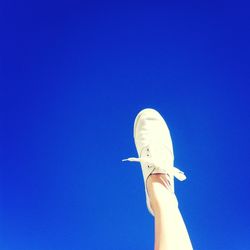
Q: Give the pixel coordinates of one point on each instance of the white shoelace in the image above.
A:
(173, 170)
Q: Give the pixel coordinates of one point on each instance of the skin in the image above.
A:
(168, 220)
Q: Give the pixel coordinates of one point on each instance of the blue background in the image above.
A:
(74, 74)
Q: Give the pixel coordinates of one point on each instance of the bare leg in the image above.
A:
(170, 230)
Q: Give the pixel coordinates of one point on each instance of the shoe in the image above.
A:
(155, 149)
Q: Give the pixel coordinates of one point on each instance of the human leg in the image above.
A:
(155, 150)
(170, 229)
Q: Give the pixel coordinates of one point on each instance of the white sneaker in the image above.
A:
(154, 147)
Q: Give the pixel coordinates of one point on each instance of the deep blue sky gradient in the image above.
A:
(73, 76)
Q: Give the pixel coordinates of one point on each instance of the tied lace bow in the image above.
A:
(173, 170)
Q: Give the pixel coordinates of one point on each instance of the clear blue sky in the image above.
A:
(73, 76)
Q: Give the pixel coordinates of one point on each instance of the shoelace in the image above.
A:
(174, 171)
